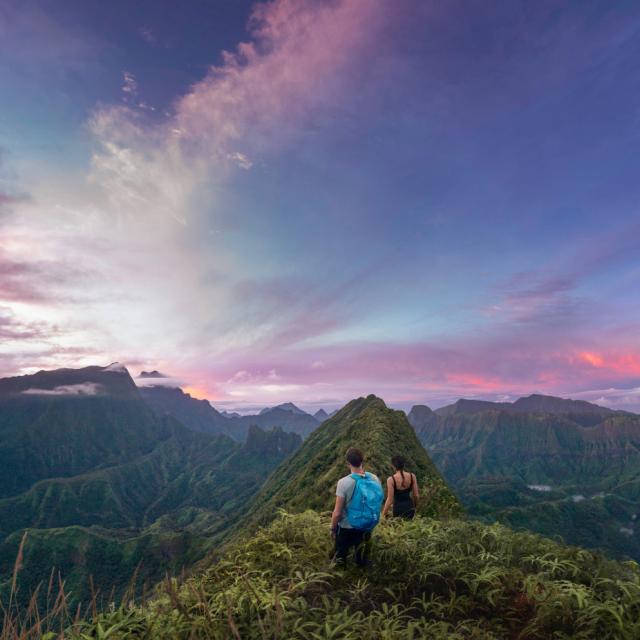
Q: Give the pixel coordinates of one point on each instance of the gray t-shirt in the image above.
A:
(344, 489)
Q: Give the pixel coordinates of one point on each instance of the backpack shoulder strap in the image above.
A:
(355, 477)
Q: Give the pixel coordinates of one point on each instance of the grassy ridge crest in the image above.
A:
(307, 479)
(438, 579)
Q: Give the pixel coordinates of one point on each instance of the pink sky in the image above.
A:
(310, 201)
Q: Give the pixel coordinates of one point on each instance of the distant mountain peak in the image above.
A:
(321, 415)
(534, 403)
(422, 408)
(470, 406)
(285, 406)
(307, 479)
(420, 414)
(116, 367)
(113, 379)
(195, 414)
(537, 402)
(151, 374)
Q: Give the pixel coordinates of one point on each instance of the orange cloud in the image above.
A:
(627, 364)
(472, 380)
(198, 392)
(592, 358)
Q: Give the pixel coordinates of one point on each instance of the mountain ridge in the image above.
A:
(533, 403)
(100, 477)
(201, 415)
(307, 479)
(574, 473)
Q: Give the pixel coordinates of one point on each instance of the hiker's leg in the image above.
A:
(343, 543)
(363, 548)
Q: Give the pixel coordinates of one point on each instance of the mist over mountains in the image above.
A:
(105, 475)
(103, 482)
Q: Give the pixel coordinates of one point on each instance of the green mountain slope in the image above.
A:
(63, 436)
(307, 480)
(443, 580)
(199, 415)
(97, 478)
(195, 414)
(429, 578)
(575, 473)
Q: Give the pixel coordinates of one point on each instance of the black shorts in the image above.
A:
(346, 539)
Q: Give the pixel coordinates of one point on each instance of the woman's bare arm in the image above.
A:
(416, 490)
(389, 501)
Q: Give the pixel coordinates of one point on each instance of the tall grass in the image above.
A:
(48, 613)
(432, 579)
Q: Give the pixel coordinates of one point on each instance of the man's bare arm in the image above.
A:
(337, 514)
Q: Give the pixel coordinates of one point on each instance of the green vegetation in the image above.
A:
(605, 521)
(308, 479)
(60, 437)
(157, 502)
(429, 579)
(585, 464)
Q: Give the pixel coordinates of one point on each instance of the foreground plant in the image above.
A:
(430, 579)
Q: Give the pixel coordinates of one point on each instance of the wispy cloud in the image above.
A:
(153, 258)
(153, 190)
(299, 63)
(129, 85)
(33, 280)
(82, 389)
(13, 329)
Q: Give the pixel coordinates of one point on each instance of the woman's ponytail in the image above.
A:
(398, 462)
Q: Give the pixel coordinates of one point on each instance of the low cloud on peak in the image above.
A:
(82, 389)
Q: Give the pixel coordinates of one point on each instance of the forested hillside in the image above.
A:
(307, 480)
(434, 577)
(556, 466)
(102, 485)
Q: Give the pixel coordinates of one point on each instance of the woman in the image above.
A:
(402, 491)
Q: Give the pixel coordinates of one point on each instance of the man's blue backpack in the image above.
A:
(364, 507)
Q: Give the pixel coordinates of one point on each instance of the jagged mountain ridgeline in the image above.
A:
(557, 466)
(201, 416)
(114, 485)
(441, 577)
(307, 480)
(102, 483)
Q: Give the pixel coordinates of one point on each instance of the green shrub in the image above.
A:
(428, 579)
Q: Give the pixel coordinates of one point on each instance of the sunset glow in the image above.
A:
(302, 200)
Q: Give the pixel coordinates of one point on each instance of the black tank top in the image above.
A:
(402, 501)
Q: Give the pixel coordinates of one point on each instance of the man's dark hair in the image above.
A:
(354, 456)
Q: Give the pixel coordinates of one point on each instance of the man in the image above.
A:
(357, 510)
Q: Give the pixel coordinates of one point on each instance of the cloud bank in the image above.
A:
(151, 257)
(82, 389)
